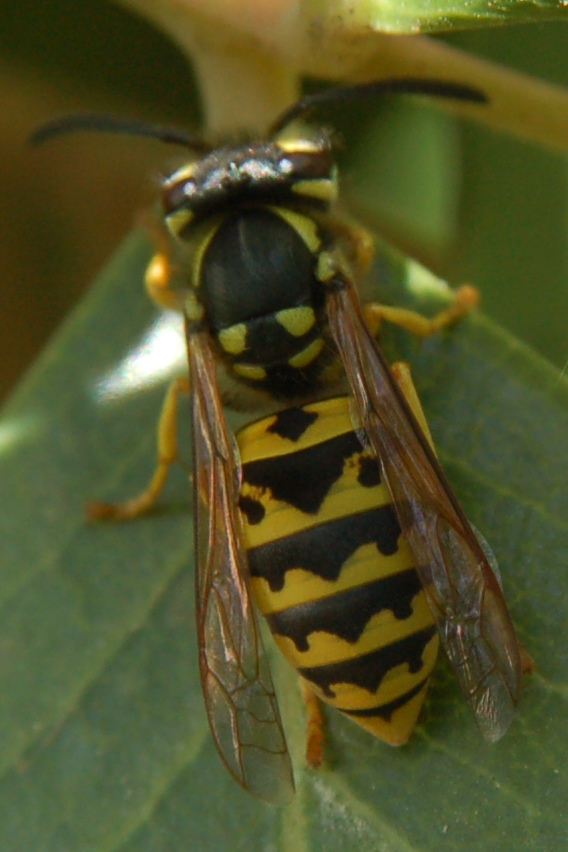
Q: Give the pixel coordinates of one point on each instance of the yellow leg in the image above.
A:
(466, 298)
(167, 455)
(357, 244)
(315, 738)
(160, 270)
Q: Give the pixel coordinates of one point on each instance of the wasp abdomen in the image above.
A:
(330, 569)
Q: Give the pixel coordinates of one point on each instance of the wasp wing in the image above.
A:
(237, 686)
(462, 591)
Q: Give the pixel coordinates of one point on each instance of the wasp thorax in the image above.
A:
(256, 281)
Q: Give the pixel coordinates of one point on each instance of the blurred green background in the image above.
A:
(479, 207)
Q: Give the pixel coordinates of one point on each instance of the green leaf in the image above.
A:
(436, 16)
(103, 739)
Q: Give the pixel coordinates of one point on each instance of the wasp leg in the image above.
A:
(160, 270)
(466, 298)
(158, 279)
(315, 735)
(167, 455)
(357, 244)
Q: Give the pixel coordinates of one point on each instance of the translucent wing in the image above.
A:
(237, 686)
(463, 593)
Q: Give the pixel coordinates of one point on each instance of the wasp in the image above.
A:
(331, 513)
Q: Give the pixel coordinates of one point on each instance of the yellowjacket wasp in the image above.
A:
(332, 509)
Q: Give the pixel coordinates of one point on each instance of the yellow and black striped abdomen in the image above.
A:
(330, 569)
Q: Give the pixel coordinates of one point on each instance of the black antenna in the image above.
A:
(102, 123)
(364, 91)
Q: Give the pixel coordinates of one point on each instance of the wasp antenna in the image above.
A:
(364, 91)
(102, 123)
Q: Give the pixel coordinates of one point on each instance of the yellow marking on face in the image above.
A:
(233, 339)
(305, 226)
(299, 146)
(326, 266)
(307, 355)
(250, 371)
(193, 309)
(296, 321)
(178, 220)
(323, 189)
(185, 172)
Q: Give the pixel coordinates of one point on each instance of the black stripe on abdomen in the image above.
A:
(368, 670)
(346, 613)
(304, 478)
(385, 711)
(324, 548)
